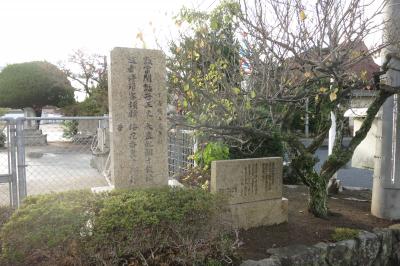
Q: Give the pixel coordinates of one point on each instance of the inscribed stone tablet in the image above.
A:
(138, 125)
(248, 180)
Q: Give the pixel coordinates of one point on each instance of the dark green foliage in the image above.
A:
(94, 105)
(34, 84)
(257, 148)
(153, 226)
(342, 233)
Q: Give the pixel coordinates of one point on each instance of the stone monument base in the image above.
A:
(259, 213)
(34, 137)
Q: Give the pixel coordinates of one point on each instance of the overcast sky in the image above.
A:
(51, 29)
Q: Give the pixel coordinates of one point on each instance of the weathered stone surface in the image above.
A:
(368, 248)
(254, 190)
(272, 261)
(299, 255)
(342, 253)
(248, 180)
(385, 238)
(138, 126)
(253, 214)
(395, 257)
(29, 112)
(34, 137)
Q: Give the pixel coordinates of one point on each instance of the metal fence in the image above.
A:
(61, 154)
(45, 155)
(8, 186)
(182, 145)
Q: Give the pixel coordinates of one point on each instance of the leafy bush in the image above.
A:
(70, 128)
(137, 227)
(342, 233)
(211, 152)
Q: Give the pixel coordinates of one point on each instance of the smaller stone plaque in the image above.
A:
(248, 180)
(254, 190)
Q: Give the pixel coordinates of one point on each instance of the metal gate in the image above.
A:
(12, 183)
(51, 154)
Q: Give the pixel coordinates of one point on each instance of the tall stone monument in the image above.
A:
(138, 121)
(254, 190)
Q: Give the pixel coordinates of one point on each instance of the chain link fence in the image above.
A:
(70, 153)
(65, 154)
(182, 145)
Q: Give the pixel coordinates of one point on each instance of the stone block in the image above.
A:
(342, 253)
(254, 190)
(300, 255)
(254, 214)
(368, 248)
(272, 261)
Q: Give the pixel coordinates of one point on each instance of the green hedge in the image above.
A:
(153, 226)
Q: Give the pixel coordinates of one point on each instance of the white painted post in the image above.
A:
(386, 183)
(332, 134)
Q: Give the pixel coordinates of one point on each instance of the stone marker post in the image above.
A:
(254, 190)
(138, 123)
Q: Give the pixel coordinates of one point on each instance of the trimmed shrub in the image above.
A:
(47, 229)
(137, 227)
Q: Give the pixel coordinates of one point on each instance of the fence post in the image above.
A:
(21, 159)
(13, 164)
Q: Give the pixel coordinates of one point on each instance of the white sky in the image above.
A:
(50, 29)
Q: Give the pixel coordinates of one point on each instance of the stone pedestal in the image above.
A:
(254, 190)
(138, 124)
(34, 137)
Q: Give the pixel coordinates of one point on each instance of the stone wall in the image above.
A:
(380, 247)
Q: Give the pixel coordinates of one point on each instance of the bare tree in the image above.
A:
(89, 70)
(293, 52)
(314, 51)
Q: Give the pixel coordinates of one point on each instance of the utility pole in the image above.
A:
(386, 181)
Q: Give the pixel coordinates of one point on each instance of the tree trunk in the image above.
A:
(317, 203)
